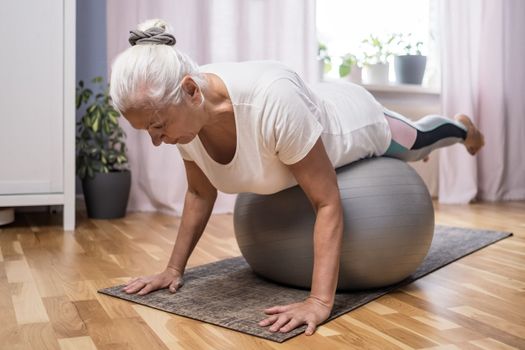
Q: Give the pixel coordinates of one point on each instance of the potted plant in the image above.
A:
(350, 66)
(410, 66)
(376, 55)
(101, 153)
(324, 60)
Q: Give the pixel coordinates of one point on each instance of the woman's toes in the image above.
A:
(474, 140)
(466, 121)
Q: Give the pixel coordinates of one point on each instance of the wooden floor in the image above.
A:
(48, 283)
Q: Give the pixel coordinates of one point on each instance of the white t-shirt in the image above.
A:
(278, 120)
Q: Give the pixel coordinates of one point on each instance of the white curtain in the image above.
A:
(208, 31)
(483, 50)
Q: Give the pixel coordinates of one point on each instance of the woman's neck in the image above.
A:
(217, 100)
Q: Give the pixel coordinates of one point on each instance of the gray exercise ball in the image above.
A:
(388, 227)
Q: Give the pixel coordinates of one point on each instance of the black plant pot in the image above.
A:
(410, 69)
(106, 195)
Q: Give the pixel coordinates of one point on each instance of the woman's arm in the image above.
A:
(198, 205)
(316, 176)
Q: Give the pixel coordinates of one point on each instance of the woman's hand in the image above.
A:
(285, 318)
(170, 277)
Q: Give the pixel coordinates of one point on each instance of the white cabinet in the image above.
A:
(37, 111)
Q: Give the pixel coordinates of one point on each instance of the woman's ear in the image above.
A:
(191, 91)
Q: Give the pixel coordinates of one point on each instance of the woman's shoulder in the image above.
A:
(265, 71)
(250, 80)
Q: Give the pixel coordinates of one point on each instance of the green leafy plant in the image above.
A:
(407, 44)
(348, 61)
(322, 54)
(377, 50)
(100, 139)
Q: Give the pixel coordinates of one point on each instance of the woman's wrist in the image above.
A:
(326, 302)
(174, 269)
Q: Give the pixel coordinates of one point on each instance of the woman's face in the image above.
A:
(172, 125)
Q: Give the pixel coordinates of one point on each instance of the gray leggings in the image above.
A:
(412, 141)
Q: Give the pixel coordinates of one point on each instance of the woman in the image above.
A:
(256, 127)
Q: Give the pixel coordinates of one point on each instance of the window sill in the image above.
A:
(395, 88)
(403, 88)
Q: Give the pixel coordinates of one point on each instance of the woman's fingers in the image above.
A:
(134, 287)
(268, 321)
(174, 286)
(145, 284)
(281, 321)
(277, 309)
(147, 288)
(131, 281)
(293, 324)
(288, 317)
(310, 329)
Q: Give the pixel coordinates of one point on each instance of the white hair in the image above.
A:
(149, 75)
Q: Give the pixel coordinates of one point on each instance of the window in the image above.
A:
(343, 24)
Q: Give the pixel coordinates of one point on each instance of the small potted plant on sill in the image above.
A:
(350, 67)
(324, 60)
(376, 59)
(410, 66)
(101, 154)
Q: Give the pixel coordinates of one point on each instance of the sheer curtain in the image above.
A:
(484, 76)
(209, 31)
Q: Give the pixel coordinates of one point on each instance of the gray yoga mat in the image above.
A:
(228, 294)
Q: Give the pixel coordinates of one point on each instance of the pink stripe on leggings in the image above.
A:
(402, 133)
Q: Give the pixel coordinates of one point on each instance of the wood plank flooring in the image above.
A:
(49, 279)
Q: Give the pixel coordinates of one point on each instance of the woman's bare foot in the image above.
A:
(475, 139)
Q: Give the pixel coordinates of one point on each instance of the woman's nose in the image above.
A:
(156, 138)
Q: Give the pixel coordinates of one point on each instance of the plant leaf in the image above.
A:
(344, 70)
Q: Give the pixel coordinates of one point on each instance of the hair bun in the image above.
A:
(151, 36)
